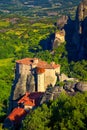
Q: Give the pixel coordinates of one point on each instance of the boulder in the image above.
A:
(51, 94)
(81, 86)
(64, 77)
(69, 86)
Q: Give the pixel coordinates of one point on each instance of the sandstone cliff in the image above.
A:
(59, 38)
(21, 85)
(62, 21)
(74, 32)
(80, 35)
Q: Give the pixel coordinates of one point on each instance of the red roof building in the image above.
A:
(27, 102)
(39, 63)
(44, 73)
(17, 115)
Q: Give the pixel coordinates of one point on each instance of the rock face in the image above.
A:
(32, 75)
(82, 10)
(22, 84)
(62, 21)
(70, 88)
(81, 86)
(62, 77)
(75, 33)
(80, 35)
(60, 35)
(59, 38)
(51, 94)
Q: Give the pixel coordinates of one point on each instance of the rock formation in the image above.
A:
(59, 38)
(70, 88)
(74, 33)
(60, 35)
(51, 94)
(32, 74)
(81, 86)
(62, 77)
(62, 21)
(80, 35)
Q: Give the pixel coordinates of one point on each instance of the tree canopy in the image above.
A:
(65, 113)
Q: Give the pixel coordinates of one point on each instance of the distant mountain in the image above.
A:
(39, 8)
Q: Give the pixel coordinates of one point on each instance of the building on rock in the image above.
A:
(43, 74)
(32, 75)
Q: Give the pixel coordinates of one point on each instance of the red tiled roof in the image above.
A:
(42, 64)
(31, 99)
(26, 100)
(27, 61)
(17, 114)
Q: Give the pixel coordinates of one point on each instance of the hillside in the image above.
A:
(39, 8)
(26, 30)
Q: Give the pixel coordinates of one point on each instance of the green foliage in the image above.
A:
(65, 113)
(60, 56)
(45, 55)
(38, 119)
(60, 84)
(79, 70)
(68, 112)
(17, 41)
(23, 39)
(6, 79)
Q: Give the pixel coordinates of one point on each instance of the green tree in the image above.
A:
(38, 120)
(65, 113)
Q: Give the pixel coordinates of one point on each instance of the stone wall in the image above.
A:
(22, 69)
(27, 79)
(50, 77)
(57, 70)
(40, 82)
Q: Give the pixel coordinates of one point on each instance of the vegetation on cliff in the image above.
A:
(65, 113)
(27, 38)
(6, 79)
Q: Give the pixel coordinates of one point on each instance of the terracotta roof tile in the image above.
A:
(31, 99)
(40, 63)
(17, 114)
(26, 100)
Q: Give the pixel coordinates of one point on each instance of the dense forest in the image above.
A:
(21, 37)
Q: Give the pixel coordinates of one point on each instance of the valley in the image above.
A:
(52, 31)
(39, 8)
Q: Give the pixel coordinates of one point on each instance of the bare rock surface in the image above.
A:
(81, 86)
